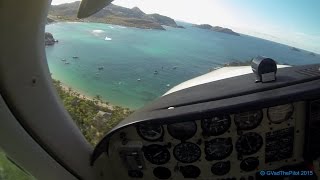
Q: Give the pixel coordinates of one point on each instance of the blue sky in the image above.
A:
(292, 22)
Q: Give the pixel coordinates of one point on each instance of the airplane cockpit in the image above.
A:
(237, 130)
(261, 123)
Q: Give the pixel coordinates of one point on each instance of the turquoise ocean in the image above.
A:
(129, 54)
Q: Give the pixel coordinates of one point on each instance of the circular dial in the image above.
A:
(216, 125)
(182, 131)
(190, 171)
(150, 132)
(187, 152)
(249, 143)
(162, 173)
(278, 114)
(156, 154)
(221, 168)
(249, 164)
(248, 120)
(218, 148)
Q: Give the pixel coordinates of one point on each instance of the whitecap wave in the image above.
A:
(97, 31)
(122, 27)
(107, 39)
(111, 27)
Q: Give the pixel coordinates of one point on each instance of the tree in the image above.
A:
(83, 112)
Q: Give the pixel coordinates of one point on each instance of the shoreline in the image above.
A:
(66, 88)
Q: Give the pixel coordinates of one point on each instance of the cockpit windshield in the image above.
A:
(134, 51)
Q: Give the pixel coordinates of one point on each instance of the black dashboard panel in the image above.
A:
(235, 153)
(219, 130)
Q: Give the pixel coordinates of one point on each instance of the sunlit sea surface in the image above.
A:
(129, 58)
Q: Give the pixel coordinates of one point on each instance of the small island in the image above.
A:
(217, 29)
(295, 49)
(48, 39)
(246, 63)
(113, 14)
(238, 63)
(312, 54)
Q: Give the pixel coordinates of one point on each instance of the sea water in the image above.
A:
(140, 65)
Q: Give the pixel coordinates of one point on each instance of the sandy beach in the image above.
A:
(66, 88)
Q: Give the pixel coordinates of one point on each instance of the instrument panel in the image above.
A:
(221, 146)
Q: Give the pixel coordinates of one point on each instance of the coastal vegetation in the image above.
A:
(86, 112)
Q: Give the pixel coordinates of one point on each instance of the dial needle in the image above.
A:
(157, 154)
(248, 143)
(154, 131)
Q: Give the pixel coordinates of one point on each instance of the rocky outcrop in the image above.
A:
(48, 39)
(217, 29)
(49, 20)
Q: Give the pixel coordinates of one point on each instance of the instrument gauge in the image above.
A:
(248, 120)
(183, 130)
(249, 143)
(281, 113)
(218, 149)
(249, 164)
(221, 168)
(156, 154)
(187, 152)
(162, 173)
(216, 125)
(150, 132)
(190, 171)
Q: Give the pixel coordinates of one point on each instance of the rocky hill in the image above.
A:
(113, 14)
(217, 29)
